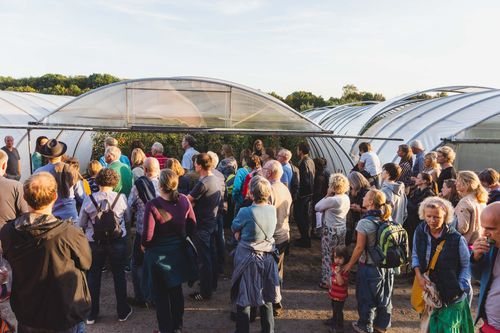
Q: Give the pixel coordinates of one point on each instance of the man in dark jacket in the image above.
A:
(48, 257)
(304, 211)
(486, 267)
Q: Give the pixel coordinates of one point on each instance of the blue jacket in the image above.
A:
(239, 179)
(482, 270)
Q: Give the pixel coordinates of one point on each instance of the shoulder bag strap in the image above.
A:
(260, 227)
(95, 203)
(115, 201)
(436, 255)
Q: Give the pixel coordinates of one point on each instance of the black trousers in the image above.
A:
(303, 210)
(338, 315)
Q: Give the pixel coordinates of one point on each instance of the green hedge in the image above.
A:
(172, 142)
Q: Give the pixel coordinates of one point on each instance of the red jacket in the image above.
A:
(338, 292)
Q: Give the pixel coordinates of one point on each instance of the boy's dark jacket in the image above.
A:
(48, 257)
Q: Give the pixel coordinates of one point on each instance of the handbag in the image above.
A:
(417, 294)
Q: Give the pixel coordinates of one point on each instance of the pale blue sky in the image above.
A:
(391, 47)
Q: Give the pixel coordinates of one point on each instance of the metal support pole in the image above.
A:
(29, 150)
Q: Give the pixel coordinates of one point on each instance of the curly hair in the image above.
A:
(339, 183)
(436, 202)
(107, 177)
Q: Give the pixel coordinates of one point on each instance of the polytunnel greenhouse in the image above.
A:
(182, 104)
(18, 109)
(467, 118)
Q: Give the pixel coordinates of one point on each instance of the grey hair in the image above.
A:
(151, 166)
(158, 147)
(113, 151)
(275, 168)
(417, 144)
(287, 153)
(358, 181)
(214, 157)
(260, 188)
(436, 202)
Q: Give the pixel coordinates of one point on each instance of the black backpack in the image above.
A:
(107, 224)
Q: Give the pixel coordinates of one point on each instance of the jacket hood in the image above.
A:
(39, 225)
(398, 188)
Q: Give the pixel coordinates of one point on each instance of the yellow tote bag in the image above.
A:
(417, 294)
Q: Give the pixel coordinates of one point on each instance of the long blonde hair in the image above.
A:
(380, 202)
(473, 184)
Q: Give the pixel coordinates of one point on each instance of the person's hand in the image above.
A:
(142, 249)
(480, 247)
(356, 207)
(237, 235)
(422, 281)
(346, 268)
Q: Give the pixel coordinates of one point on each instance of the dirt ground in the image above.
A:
(306, 306)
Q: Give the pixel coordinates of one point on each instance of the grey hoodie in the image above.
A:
(396, 197)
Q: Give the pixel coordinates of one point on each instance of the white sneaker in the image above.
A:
(90, 321)
(126, 317)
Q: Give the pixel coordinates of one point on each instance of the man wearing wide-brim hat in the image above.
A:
(66, 178)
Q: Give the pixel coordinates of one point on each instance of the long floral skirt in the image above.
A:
(331, 238)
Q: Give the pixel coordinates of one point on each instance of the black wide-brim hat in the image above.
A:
(53, 148)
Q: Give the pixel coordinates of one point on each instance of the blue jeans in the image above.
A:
(136, 268)
(374, 288)
(116, 251)
(208, 261)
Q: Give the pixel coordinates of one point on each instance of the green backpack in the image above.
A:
(230, 184)
(391, 245)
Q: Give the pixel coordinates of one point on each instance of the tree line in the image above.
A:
(57, 84)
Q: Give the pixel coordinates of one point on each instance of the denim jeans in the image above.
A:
(208, 261)
(136, 268)
(169, 305)
(116, 252)
(220, 243)
(78, 328)
(266, 319)
(374, 288)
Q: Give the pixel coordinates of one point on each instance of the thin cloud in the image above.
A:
(133, 10)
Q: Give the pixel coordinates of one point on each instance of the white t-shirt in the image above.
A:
(335, 210)
(372, 163)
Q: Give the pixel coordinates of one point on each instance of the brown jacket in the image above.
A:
(48, 259)
(467, 212)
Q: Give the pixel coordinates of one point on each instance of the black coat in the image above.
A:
(48, 259)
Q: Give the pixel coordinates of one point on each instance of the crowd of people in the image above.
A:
(164, 220)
